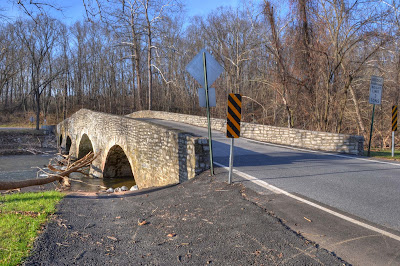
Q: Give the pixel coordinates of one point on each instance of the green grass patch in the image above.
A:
(385, 154)
(21, 217)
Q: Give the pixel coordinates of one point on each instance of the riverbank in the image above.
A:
(23, 167)
(23, 141)
(198, 222)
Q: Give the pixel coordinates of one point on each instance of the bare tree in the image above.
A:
(39, 39)
(276, 49)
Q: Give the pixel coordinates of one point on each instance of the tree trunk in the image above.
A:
(358, 114)
(28, 183)
(149, 73)
(282, 73)
(65, 100)
(136, 56)
(37, 98)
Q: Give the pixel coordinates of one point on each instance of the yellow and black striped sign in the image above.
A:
(234, 115)
(394, 118)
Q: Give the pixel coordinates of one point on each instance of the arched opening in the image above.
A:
(68, 144)
(117, 169)
(85, 146)
(60, 140)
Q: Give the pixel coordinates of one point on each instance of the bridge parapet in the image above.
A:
(157, 155)
(314, 140)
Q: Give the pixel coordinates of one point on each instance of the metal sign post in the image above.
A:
(370, 132)
(394, 125)
(205, 69)
(231, 161)
(233, 125)
(208, 114)
(375, 97)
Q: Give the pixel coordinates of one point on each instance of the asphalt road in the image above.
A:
(199, 222)
(363, 188)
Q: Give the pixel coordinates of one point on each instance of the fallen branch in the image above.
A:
(61, 176)
(28, 183)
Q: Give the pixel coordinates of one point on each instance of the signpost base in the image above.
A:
(370, 133)
(231, 162)
(392, 143)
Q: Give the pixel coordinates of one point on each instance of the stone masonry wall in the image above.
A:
(314, 140)
(158, 155)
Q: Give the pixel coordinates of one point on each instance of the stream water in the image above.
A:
(22, 167)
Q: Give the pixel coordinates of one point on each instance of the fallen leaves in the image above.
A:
(112, 238)
(207, 221)
(63, 244)
(307, 219)
(257, 252)
(144, 222)
(60, 223)
(171, 235)
(24, 213)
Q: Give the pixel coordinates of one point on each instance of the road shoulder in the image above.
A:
(353, 243)
(198, 222)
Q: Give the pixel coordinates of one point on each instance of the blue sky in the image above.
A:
(74, 9)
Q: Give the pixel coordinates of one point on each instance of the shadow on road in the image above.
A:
(293, 160)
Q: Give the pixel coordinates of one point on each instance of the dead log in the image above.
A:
(61, 176)
(28, 183)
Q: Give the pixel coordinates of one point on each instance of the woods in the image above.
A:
(298, 63)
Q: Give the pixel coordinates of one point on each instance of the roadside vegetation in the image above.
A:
(384, 154)
(21, 119)
(21, 218)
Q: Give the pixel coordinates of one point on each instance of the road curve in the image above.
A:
(363, 188)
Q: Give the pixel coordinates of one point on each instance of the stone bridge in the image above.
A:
(152, 154)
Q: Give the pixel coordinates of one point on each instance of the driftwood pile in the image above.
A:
(60, 175)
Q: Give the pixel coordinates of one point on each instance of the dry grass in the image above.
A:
(21, 119)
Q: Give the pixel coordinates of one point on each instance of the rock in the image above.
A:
(117, 189)
(135, 187)
(110, 190)
(124, 188)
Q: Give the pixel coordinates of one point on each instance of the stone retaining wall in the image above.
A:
(158, 155)
(314, 140)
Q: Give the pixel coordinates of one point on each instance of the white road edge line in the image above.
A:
(321, 152)
(281, 191)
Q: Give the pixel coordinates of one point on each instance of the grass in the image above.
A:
(384, 154)
(21, 217)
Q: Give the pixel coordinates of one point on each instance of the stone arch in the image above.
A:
(117, 164)
(68, 144)
(85, 146)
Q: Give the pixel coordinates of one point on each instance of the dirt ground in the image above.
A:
(26, 141)
(199, 222)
